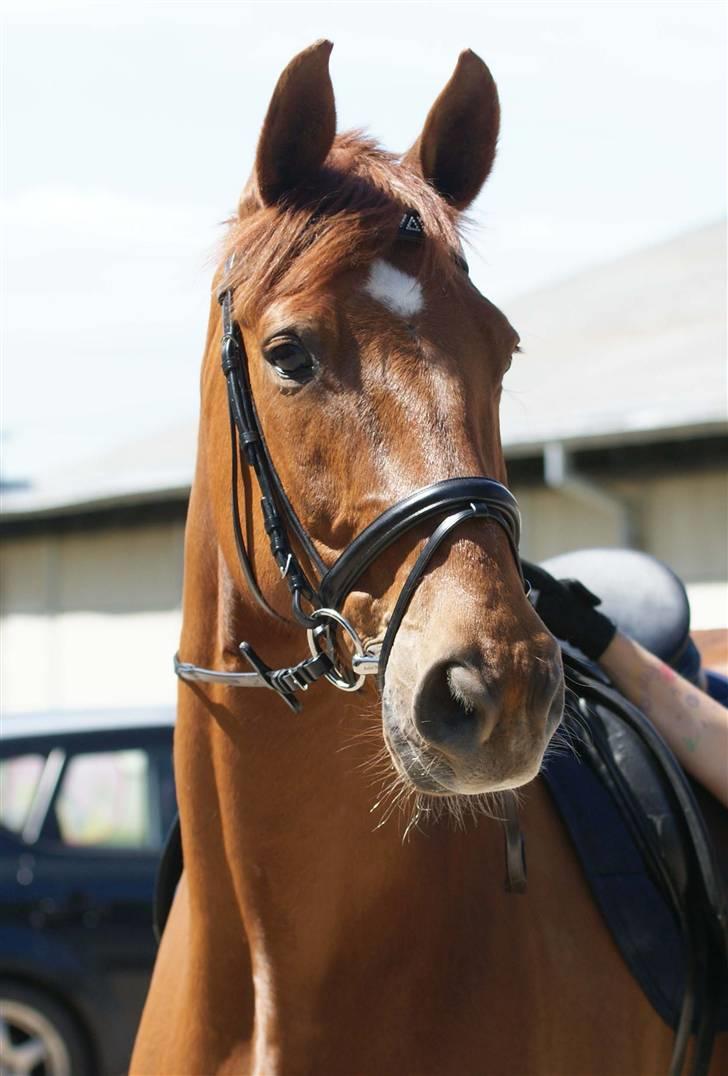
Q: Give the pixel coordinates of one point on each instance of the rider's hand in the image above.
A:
(568, 610)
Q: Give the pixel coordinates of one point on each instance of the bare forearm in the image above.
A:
(694, 725)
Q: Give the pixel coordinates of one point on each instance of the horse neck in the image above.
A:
(281, 842)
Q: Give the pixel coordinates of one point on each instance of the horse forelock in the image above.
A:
(350, 217)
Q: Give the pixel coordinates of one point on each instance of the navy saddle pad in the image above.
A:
(641, 916)
(635, 909)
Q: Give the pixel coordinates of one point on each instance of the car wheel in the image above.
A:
(38, 1037)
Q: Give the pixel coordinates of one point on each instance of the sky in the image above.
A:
(130, 129)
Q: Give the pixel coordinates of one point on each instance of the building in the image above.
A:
(615, 427)
(616, 423)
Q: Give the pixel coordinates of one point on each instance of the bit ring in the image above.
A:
(337, 678)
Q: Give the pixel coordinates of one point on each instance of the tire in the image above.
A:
(38, 1036)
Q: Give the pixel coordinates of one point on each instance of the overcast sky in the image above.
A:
(129, 130)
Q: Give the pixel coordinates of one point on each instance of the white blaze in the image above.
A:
(399, 291)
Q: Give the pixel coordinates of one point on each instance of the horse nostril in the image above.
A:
(454, 708)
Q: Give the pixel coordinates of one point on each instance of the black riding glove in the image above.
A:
(568, 610)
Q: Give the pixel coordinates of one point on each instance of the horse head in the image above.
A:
(376, 369)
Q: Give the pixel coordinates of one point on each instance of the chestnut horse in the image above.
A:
(307, 936)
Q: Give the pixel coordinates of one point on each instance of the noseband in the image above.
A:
(453, 502)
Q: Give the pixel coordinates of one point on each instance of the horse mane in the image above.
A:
(347, 219)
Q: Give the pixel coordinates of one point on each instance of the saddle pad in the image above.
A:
(639, 919)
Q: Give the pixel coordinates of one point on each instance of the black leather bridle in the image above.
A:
(452, 502)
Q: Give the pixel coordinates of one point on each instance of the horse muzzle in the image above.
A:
(464, 730)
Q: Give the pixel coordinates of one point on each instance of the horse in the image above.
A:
(342, 907)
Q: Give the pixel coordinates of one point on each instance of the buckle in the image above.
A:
(268, 676)
(229, 353)
(285, 682)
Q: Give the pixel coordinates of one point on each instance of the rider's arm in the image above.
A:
(694, 725)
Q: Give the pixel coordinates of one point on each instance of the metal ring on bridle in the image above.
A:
(335, 677)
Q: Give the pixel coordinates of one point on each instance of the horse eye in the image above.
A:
(290, 359)
(517, 350)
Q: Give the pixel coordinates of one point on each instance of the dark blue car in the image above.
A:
(85, 802)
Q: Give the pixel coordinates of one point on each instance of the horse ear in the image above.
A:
(299, 127)
(456, 149)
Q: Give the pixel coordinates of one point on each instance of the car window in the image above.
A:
(104, 801)
(19, 778)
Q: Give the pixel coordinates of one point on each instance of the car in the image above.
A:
(86, 800)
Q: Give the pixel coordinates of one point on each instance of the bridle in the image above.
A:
(453, 502)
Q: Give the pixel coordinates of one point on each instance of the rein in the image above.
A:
(453, 501)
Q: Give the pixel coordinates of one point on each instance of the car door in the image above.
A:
(91, 881)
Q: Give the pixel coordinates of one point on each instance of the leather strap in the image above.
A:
(420, 506)
(278, 514)
(515, 848)
(490, 510)
(285, 682)
(462, 498)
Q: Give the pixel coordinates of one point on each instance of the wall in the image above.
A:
(682, 519)
(92, 618)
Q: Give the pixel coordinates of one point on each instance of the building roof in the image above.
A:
(147, 470)
(632, 350)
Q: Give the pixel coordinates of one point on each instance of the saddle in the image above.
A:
(643, 597)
